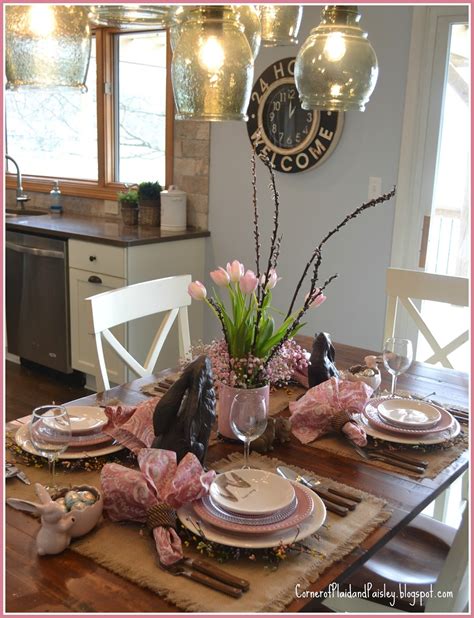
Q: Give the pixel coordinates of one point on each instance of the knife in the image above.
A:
(219, 574)
(330, 503)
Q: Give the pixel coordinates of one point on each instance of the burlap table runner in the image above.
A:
(128, 550)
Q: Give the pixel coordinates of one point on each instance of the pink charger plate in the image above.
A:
(372, 415)
(303, 510)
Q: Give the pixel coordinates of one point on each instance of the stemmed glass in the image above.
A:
(397, 357)
(50, 433)
(248, 418)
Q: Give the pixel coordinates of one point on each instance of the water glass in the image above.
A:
(397, 358)
(248, 418)
(50, 433)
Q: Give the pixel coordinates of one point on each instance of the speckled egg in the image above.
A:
(71, 498)
(87, 497)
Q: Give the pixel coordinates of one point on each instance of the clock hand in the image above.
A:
(292, 110)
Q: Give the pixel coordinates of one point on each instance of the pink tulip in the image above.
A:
(235, 271)
(220, 277)
(317, 298)
(273, 279)
(249, 282)
(197, 291)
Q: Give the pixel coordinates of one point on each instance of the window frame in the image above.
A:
(105, 187)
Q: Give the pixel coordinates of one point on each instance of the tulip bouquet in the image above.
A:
(255, 351)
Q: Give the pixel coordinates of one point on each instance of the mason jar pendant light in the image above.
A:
(129, 16)
(280, 24)
(336, 67)
(246, 14)
(47, 45)
(212, 66)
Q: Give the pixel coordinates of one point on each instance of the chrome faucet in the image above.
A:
(21, 196)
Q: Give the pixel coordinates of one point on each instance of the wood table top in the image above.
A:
(72, 583)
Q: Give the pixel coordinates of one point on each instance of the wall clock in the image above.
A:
(293, 139)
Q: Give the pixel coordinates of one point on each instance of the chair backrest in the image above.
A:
(129, 303)
(451, 591)
(405, 285)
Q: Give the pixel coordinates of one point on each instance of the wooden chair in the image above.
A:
(405, 285)
(426, 554)
(119, 306)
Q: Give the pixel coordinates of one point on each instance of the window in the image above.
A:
(119, 132)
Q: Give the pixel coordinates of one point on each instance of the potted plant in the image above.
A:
(255, 351)
(128, 201)
(149, 203)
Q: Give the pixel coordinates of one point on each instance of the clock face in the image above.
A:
(292, 138)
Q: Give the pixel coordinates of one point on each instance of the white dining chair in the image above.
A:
(129, 303)
(404, 286)
(450, 592)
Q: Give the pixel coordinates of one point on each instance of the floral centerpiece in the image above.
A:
(255, 351)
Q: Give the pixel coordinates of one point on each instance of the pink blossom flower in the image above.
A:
(273, 279)
(220, 277)
(235, 271)
(249, 282)
(197, 291)
(317, 298)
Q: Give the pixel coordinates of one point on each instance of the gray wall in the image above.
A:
(313, 202)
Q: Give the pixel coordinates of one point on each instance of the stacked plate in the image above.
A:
(254, 509)
(408, 421)
(87, 440)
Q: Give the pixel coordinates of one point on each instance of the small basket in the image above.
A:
(150, 215)
(130, 215)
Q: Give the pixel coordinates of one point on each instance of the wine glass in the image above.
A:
(248, 418)
(50, 433)
(397, 357)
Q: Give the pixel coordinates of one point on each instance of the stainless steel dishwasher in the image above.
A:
(37, 300)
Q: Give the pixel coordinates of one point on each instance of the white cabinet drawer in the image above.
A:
(83, 284)
(104, 259)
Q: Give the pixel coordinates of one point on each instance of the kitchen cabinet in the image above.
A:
(95, 267)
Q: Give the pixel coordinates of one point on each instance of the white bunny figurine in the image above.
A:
(53, 536)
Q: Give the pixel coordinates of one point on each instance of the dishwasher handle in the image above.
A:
(34, 251)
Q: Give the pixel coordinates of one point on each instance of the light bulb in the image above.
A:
(335, 47)
(41, 18)
(211, 54)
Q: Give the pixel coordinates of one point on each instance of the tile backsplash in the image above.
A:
(191, 174)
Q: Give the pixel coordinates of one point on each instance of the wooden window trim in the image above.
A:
(105, 188)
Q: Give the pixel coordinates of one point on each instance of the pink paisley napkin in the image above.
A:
(132, 426)
(129, 494)
(316, 413)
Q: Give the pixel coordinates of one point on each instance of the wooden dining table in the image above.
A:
(70, 582)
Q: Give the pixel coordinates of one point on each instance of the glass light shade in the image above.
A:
(246, 14)
(336, 67)
(130, 15)
(47, 45)
(280, 24)
(212, 67)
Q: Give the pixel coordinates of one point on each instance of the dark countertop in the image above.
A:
(95, 229)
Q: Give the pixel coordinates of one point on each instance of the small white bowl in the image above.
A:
(372, 381)
(87, 519)
(408, 413)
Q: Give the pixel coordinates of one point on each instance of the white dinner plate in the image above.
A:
(432, 438)
(86, 419)
(22, 438)
(251, 491)
(308, 527)
(408, 413)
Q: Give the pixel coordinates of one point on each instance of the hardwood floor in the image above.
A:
(29, 387)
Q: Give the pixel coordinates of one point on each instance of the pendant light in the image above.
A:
(47, 45)
(212, 66)
(130, 16)
(336, 67)
(246, 14)
(280, 24)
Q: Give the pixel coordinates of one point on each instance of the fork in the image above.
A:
(370, 455)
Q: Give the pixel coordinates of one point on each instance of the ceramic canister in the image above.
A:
(173, 210)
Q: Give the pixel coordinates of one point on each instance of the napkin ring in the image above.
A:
(339, 419)
(160, 515)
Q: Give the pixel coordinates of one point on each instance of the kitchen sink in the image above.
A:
(23, 213)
